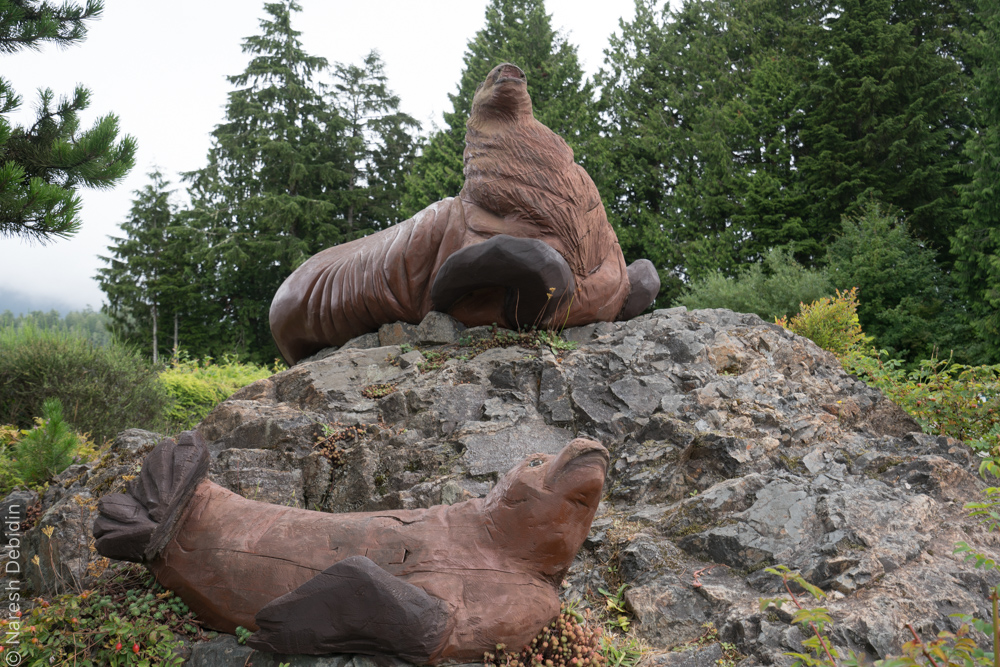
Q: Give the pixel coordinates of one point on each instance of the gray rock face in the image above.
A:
(735, 445)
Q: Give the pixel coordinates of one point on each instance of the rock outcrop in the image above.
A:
(735, 445)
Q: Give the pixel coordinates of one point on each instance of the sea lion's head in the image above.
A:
(501, 97)
(542, 509)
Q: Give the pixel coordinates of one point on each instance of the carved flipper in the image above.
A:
(645, 285)
(353, 606)
(529, 269)
(137, 524)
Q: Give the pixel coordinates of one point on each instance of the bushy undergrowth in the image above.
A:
(127, 619)
(943, 397)
(103, 390)
(772, 289)
(196, 386)
(9, 437)
(830, 322)
(31, 457)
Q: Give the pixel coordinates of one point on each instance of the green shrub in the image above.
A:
(945, 398)
(831, 323)
(198, 386)
(127, 620)
(104, 390)
(9, 478)
(47, 449)
(773, 289)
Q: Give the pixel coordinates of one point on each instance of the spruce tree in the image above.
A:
(41, 166)
(150, 281)
(906, 301)
(699, 123)
(379, 145)
(640, 156)
(268, 198)
(884, 115)
(976, 244)
(520, 32)
(730, 128)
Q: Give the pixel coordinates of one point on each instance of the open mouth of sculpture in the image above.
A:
(580, 461)
(510, 73)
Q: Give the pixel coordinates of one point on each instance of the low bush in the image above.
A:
(103, 390)
(945, 398)
(9, 478)
(128, 619)
(831, 323)
(197, 386)
(774, 288)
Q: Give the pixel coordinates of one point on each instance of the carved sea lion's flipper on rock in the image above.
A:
(645, 285)
(353, 606)
(528, 268)
(137, 524)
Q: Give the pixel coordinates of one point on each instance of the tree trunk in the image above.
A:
(155, 342)
(350, 211)
(176, 343)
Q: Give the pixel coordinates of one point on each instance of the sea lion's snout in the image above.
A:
(508, 72)
(578, 455)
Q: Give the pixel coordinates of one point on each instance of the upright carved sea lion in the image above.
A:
(527, 242)
(444, 583)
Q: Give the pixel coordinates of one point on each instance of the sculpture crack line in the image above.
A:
(528, 219)
(447, 583)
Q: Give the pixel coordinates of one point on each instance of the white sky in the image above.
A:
(161, 68)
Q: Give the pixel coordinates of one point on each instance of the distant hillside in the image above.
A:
(21, 303)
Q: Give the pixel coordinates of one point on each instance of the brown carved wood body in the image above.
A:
(524, 197)
(443, 584)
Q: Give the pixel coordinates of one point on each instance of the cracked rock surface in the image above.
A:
(735, 445)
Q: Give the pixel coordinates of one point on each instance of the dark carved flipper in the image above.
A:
(353, 607)
(527, 268)
(645, 285)
(136, 525)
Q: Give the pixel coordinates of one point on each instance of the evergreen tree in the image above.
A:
(379, 145)
(884, 115)
(636, 169)
(519, 32)
(41, 166)
(730, 128)
(148, 280)
(699, 124)
(976, 244)
(906, 301)
(268, 198)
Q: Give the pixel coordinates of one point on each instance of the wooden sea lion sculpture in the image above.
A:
(526, 242)
(446, 583)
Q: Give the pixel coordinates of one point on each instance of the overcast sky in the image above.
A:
(161, 68)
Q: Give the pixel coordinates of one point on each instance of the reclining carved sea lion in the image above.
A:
(444, 583)
(527, 242)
